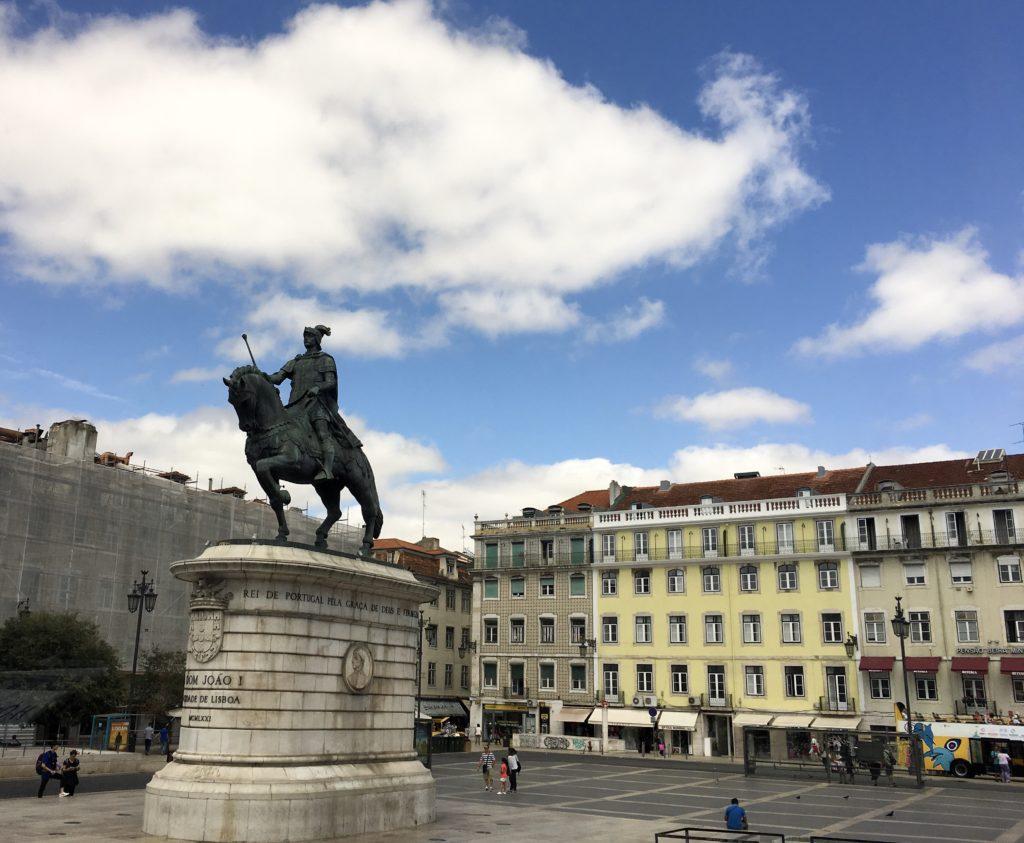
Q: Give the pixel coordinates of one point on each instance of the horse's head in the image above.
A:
(249, 392)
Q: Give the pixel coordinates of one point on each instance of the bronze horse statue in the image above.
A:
(280, 445)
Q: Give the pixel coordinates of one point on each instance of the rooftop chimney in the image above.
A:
(664, 485)
(429, 543)
(614, 492)
(746, 475)
(821, 471)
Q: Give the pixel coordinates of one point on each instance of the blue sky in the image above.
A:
(558, 242)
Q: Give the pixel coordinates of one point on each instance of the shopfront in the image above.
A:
(677, 728)
(718, 734)
(574, 722)
(632, 726)
(752, 727)
(503, 720)
(792, 732)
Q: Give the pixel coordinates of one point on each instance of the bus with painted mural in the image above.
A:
(965, 748)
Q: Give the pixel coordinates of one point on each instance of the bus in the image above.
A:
(964, 749)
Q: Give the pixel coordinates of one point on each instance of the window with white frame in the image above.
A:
(490, 674)
(804, 493)
(787, 577)
(643, 629)
(828, 575)
(577, 585)
(609, 583)
(794, 681)
(706, 499)
(926, 688)
(709, 540)
(879, 685)
(913, 573)
(547, 586)
(974, 690)
(547, 676)
(641, 581)
(784, 537)
(826, 535)
(920, 627)
(960, 572)
(711, 579)
(791, 632)
(577, 630)
(870, 575)
(1002, 520)
(874, 627)
(1009, 569)
(645, 678)
(714, 629)
(967, 626)
(680, 679)
(611, 681)
(608, 545)
(676, 581)
(675, 544)
(517, 630)
(547, 630)
(677, 629)
(578, 677)
(751, 629)
(746, 539)
(754, 676)
(1018, 689)
(866, 533)
(490, 630)
(610, 629)
(517, 587)
(832, 627)
(640, 546)
(547, 551)
(1014, 626)
(748, 578)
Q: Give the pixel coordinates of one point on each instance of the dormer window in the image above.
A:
(998, 477)
(887, 486)
(450, 567)
(636, 506)
(804, 493)
(706, 499)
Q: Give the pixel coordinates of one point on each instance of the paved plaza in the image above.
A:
(593, 799)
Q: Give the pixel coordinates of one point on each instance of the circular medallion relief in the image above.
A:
(358, 668)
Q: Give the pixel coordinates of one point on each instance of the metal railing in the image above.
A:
(811, 504)
(928, 540)
(534, 524)
(940, 494)
(707, 701)
(532, 560)
(970, 706)
(817, 838)
(827, 704)
(702, 833)
(728, 547)
(516, 690)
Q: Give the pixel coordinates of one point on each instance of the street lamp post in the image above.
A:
(901, 629)
(142, 598)
(419, 677)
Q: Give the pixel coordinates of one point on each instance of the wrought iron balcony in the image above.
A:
(975, 707)
(532, 561)
(723, 701)
(827, 704)
(936, 541)
(517, 690)
(727, 548)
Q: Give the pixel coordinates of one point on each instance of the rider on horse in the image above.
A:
(314, 378)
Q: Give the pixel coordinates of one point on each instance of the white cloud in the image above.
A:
(998, 357)
(74, 385)
(715, 369)
(925, 291)
(198, 374)
(629, 323)
(371, 147)
(913, 422)
(734, 408)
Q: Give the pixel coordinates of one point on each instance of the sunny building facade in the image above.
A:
(726, 604)
(533, 609)
(947, 537)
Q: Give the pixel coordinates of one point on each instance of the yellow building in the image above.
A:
(726, 604)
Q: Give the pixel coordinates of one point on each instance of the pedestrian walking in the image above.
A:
(661, 748)
(476, 734)
(846, 754)
(735, 816)
(484, 765)
(514, 768)
(1004, 766)
(165, 739)
(503, 777)
(69, 774)
(147, 737)
(47, 768)
(889, 764)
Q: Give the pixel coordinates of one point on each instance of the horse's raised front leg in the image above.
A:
(277, 497)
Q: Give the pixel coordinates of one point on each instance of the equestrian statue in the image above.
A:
(305, 441)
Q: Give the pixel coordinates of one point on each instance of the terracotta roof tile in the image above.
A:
(754, 488)
(959, 472)
(597, 498)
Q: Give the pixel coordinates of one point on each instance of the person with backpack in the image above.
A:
(69, 774)
(46, 768)
(514, 768)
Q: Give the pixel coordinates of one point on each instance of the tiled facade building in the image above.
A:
(445, 667)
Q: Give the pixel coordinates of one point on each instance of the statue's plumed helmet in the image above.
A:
(320, 331)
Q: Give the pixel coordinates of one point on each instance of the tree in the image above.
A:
(161, 685)
(59, 651)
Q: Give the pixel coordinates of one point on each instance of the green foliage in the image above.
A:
(63, 652)
(160, 684)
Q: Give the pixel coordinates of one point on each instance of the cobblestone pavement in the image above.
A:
(593, 799)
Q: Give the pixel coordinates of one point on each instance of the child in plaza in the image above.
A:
(503, 777)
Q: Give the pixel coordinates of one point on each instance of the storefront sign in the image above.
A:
(990, 651)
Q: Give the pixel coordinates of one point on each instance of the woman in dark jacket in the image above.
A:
(69, 774)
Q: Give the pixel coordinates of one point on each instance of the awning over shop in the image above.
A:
(922, 664)
(505, 707)
(685, 720)
(622, 717)
(749, 718)
(883, 664)
(1012, 664)
(568, 714)
(977, 665)
(793, 721)
(441, 708)
(837, 724)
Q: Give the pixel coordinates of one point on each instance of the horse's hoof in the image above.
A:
(320, 544)
(281, 538)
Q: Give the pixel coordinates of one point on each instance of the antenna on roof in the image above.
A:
(423, 492)
(1021, 426)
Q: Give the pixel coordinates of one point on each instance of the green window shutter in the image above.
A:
(517, 555)
(491, 556)
(578, 557)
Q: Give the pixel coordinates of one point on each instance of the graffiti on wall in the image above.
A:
(565, 742)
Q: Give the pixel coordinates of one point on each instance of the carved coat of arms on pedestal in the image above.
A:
(206, 623)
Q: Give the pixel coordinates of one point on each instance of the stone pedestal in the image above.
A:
(299, 698)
